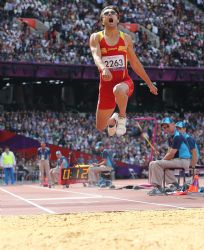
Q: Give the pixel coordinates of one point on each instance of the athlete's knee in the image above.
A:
(120, 89)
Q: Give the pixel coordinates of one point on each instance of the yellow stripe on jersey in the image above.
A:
(101, 35)
(123, 48)
(122, 35)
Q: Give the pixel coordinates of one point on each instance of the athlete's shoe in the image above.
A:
(112, 129)
(121, 126)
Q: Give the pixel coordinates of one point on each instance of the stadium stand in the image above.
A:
(178, 27)
(199, 3)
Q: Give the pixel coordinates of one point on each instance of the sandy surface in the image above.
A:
(178, 229)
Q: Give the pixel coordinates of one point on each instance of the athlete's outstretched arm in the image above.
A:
(137, 66)
(96, 53)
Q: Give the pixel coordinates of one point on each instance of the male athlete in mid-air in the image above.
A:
(111, 50)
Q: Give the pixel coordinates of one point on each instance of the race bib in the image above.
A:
(114, 62)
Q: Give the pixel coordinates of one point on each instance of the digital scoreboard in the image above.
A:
(76, 174)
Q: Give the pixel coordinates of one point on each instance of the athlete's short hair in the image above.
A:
(113, 7)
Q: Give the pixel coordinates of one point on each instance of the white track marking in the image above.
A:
(62, 198)
(67, 191)
(27, 201)
(145, 202)
(122, 199)
(71, 202)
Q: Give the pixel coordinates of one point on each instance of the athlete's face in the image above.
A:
(110, 18)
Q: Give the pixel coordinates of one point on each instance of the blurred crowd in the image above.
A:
(199, 3)
(70, 23)
(76, 131)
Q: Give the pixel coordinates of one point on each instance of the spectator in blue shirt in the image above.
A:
(181, 127)
(178, 155)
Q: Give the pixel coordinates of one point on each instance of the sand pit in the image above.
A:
(175, 229)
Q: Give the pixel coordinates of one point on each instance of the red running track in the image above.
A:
(33, 199)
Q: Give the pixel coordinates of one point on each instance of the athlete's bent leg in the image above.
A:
(120, 92)
(102, 118)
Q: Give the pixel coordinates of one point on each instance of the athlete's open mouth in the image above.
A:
(110, 20)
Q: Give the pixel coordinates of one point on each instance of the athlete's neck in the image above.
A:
(111, 32)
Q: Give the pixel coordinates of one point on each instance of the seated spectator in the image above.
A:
(80, 159)
(22, 172)
(72, 159)
(33, 172)
(89, 160)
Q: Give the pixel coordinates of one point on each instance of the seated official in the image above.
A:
(178, 156)
(103, 166)
(61, 163)
(194, 150)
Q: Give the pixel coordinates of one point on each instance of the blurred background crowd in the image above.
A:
(65, 27)
(77, 132)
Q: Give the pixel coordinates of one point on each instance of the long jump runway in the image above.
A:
(33, 199)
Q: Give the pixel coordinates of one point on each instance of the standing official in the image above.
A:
(44, 163)
(8, 162)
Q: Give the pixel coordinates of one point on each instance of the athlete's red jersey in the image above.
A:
(115, 59)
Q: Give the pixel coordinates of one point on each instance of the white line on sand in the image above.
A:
(27, 201)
